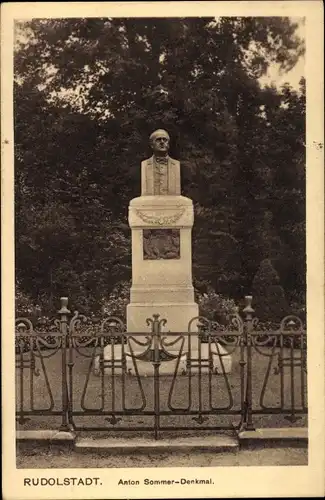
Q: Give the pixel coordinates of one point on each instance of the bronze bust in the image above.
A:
(160, 174)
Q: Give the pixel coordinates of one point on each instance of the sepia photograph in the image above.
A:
(160, 202)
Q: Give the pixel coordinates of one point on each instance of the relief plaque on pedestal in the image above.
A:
(161, 244)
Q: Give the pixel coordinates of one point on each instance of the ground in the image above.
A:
(217, 392)
(63, 458)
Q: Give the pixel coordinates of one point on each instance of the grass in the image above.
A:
(221, 394)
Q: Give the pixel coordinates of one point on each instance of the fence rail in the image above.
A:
(98, 376)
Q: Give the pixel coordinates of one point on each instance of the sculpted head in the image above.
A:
(159, 142)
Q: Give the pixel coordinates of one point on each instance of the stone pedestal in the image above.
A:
(161, 262)
(162, 280)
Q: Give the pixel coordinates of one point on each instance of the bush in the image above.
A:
(24, 304)
(298, 305)
(211, 305)
(115, 304)
(269, 300)
(214, 306)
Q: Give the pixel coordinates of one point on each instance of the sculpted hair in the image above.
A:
(159, 131)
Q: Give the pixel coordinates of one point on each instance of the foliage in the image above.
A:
(269, 298)
(115, 304)
(298, 308)
(23, 303)
(88, 92)
(214, 306)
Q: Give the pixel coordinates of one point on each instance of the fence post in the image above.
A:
(64, 312)
(248, 327)
(155, 332)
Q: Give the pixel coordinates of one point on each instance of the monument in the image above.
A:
(161, 221)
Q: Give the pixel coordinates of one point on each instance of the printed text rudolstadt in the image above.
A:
(65, 481)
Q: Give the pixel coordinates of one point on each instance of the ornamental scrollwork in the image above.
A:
(160, 220)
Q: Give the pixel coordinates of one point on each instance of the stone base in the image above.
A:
(145, 368)
(177, 315)
(216, 443)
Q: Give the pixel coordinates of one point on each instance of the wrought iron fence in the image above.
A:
(98, 376)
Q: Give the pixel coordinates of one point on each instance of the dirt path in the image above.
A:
(63, 458)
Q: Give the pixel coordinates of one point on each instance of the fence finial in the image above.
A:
(248, 307)
(64, 303)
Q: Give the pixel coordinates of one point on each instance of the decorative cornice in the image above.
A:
(162, 220)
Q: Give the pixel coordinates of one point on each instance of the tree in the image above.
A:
(96, 88)
(269, 298)
(69, 240)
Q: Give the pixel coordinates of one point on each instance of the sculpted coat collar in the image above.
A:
(171, 175)
(153, 159)
(162, 160)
